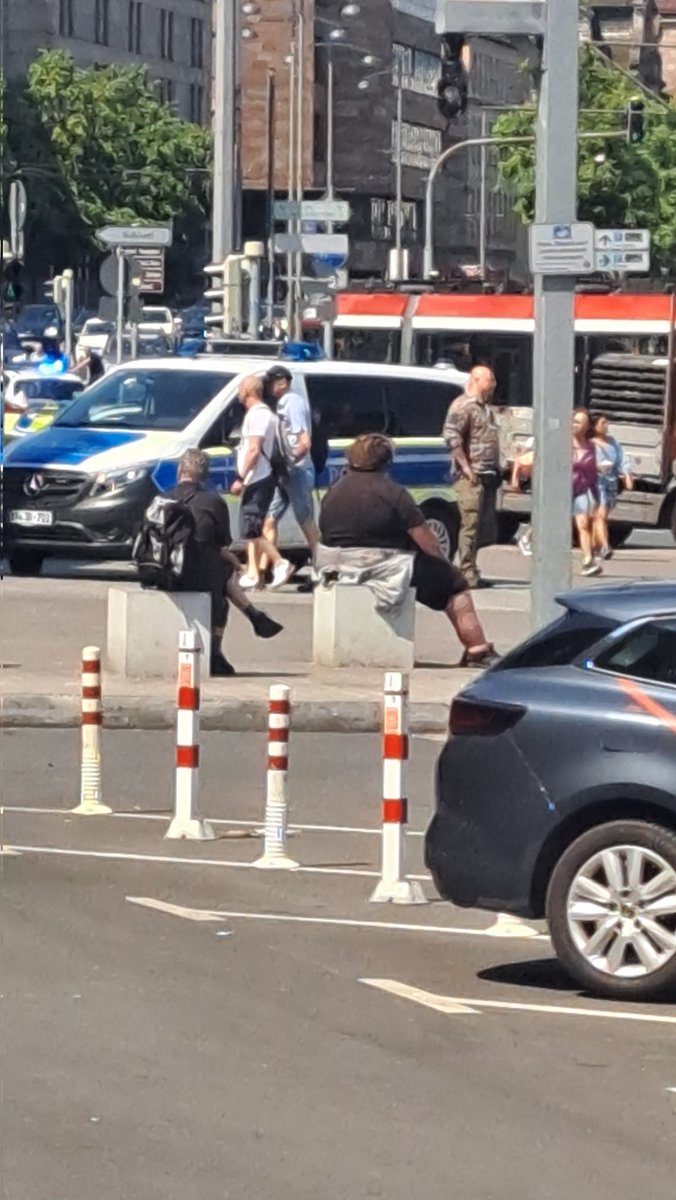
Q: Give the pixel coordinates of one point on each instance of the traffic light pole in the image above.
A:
(554, 340)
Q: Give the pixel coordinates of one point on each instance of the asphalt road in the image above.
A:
(233, 1051)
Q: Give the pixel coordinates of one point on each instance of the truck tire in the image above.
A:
(618, 532)
(26, 562)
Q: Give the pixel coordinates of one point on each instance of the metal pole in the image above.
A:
(121, 287)
(271, 97)
(443, 158)
(254, 296)
(300, 163)
(554, 341)
(483, 197)
(399, 168)
(225, 201)
(330, 102)
(291, 225)
(69, 284)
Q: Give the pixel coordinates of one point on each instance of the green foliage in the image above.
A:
(634, 186)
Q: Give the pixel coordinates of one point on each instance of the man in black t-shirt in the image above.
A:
(212, 567)
(367, 508)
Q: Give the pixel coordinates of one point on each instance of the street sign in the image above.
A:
(135, 235)
(150, 265)
(331, 211)
(18, 208)
(109, 274)
(313, 243)
(623, 260)
(622, 239)
(562, 249)
(491, 16)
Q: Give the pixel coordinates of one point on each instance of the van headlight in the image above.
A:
(114, 481)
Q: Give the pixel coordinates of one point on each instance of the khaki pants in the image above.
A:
(478, 525)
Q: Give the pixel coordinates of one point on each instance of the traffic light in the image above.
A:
(452, 85)
(12, 287)
(54, 289)
(635, 113)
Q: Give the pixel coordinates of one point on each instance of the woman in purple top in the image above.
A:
(585, 488)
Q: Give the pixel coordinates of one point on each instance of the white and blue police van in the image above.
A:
(80, 487)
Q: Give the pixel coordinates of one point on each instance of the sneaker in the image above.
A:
(605, 553)
(247, 582)
(220, 666)
(281, 574)
(591, 567)
(525, 545)
(264, 626)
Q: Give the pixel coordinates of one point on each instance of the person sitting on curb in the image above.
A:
(365, 508)
(212, 567)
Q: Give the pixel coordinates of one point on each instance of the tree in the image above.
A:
(619, 185)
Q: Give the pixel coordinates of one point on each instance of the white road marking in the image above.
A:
(257, 825)
(507, 926)
(347, 922)
(670, 1089)
(175, 910)
(442, 1004)
(431, 1000)
(9, 852)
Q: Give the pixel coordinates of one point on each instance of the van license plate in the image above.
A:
(31, 516)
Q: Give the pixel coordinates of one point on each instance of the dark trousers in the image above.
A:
(478, 521)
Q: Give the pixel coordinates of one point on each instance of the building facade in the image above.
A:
(171, 37)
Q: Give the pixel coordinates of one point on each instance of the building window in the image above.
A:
(101, 27)
(196, 43)
(420, 70)
(166, 35)
(135, 26)
(167, 91)
(420, 145)
(66, 18)
(196, 103)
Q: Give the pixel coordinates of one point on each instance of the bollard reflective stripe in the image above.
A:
(91, 719)
(394, 885)
(275, 854)
(187, 823)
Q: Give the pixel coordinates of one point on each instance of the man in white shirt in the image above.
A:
(295, 421)
(255, 483)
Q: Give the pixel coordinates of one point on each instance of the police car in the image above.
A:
(80, 487)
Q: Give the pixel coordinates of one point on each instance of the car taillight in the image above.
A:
(476, 718)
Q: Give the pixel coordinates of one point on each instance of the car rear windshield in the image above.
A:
(146, 399)
(559, 643)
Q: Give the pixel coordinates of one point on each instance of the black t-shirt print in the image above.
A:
(367, 508)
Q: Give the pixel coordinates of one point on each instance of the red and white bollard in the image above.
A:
(393, 885)
(187, 822)
(275, 855)
(91, 804)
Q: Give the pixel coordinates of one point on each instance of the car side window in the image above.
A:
(347, 405)
(646, 652)
(416, 408)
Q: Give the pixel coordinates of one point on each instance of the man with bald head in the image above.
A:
(255, 483)
(471, 434)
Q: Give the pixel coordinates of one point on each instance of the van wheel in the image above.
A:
(444, 519)
(26, 562)
(611, 907)
(508, 527)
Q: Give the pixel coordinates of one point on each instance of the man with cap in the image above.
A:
(295, 426)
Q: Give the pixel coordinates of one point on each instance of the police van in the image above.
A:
(80, 488)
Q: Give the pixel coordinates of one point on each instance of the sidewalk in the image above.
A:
(45, 622)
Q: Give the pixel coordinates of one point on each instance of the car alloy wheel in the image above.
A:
(611, 907)
(621, 911)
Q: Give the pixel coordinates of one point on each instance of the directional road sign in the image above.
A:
(622, 239)
(562, 249)
(335, 211)
(623, 260)
(150, 264)
(135, 235)
(313, 243)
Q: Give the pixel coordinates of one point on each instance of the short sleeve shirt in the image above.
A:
(295, 418)
(367, 508)
(259, 422)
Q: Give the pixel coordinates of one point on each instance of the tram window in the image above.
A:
(367, 345)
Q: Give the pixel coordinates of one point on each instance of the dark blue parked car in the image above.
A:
(556, 790)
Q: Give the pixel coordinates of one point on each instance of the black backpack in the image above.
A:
(278, 459)
(164, 548)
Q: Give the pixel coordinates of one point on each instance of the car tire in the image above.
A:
(508, 527)
(26, 562)
(573, 894)
(444, 519)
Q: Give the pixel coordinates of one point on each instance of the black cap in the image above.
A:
(278, 372)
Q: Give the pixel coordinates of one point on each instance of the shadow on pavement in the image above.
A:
(544, 973)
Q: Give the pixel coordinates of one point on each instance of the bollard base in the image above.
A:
(405, 891)
(92, 808)
(276, 862)
(194, 830)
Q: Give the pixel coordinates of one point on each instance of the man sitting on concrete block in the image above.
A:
(365, 508)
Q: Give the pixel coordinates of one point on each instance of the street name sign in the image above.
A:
(336, 244)
(337, 211)
(135, 235)
(562, 249)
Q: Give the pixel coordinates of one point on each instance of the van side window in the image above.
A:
(226, 428)
(347, 405)
(416, 408)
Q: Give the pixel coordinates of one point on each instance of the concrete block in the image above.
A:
(143, 629)
(348, 631)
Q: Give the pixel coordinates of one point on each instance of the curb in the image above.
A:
(224, 716)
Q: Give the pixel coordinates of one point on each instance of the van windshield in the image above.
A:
(146, 399)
